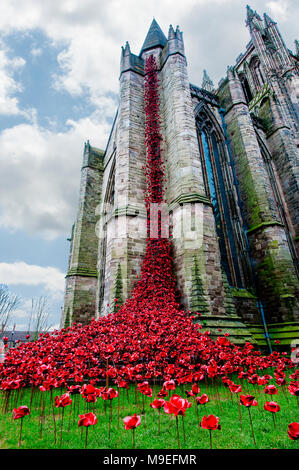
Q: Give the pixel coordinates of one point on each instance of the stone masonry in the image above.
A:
(231, 175)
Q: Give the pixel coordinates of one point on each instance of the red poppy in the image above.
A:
(195, 389)
(235, 388)
(293, 431)
(202, 400)
(145, 389)
(157, 403)
(169, 385)
(210, 422)
(131, 422)
(110, 348)
(88, 419)
(176, 405)
(122, 383)
(271, 390)
(247, 400)
(109, 394)
(63, 401)
(293, 388)
(20, 412)
(272, 406)
(162, 393)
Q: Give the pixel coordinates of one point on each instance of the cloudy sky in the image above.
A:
(59, 70)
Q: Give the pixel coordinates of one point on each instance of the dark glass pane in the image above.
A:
(226, 212)
(214, 199)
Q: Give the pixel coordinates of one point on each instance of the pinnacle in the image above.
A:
(268, 20)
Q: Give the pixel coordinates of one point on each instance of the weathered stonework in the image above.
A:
(231, 183)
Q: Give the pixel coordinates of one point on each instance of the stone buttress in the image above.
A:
(81, 279)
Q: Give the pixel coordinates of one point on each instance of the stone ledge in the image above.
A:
(264, 225)
(189, 198)
(244, 293)
(82, 272)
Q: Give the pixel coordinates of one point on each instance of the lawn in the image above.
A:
(38, 428)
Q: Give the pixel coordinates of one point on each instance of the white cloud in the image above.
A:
(40, 167)
(280, 9)
(36, 52)
(21, 273)
(40, 173)
(9, 104)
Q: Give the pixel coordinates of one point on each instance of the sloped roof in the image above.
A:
(155, 37)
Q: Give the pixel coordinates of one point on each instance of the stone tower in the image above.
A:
(231, 166)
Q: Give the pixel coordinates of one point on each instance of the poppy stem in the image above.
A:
(118, 409)
(70, 415)
(107, 378)
(251, 426)
(240, 415)
(273, 415)
(31, 396)
(284, 394)
(20, 437)
(110, 417)
(184, 429)
(133, 438)
(86, 437)
(210, 438)
(53, 417)
(159, 415)
(177, 431)
(61, 427)
(196, 410)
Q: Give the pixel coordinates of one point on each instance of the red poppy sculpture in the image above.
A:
(211, 423)
(132, 422)
(87, 419)
(19, 413)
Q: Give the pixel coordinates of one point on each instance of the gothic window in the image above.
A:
(217, 188)
(110, 192)
(257, 75)
(246, 88)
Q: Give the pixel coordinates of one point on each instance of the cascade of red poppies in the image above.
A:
(149, 337)
(157, 280)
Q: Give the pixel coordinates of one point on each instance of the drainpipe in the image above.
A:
(259, 303)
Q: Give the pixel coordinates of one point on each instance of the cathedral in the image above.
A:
(231, 159)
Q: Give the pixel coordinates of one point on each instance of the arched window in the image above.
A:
(110, 191)
(246, 87)
(219, 189)
(257, 75)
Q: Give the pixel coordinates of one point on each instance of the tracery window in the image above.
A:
(246, 87)
(219, 189)
(256, 72)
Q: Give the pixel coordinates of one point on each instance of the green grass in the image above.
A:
(146, 436)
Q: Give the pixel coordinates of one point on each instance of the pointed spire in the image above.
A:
(178, 33)
(154, 38)
(252, 16)
(207, 83)
(297, 47)
(127, 50)
(268, 20)
(171, 33)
